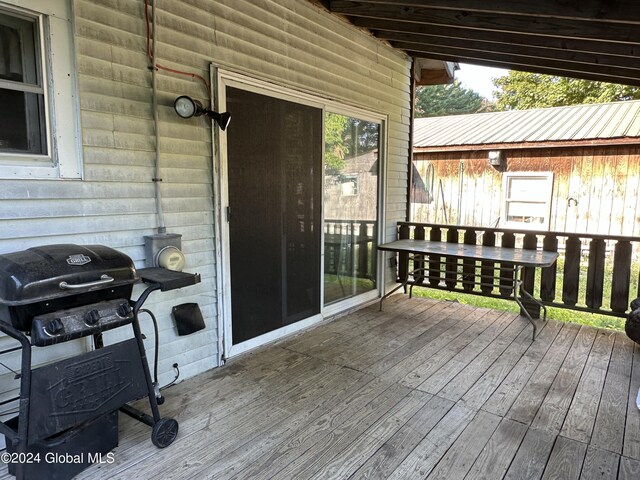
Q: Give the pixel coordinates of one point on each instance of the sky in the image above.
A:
(479, 78)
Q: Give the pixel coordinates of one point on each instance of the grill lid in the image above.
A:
(54, 271)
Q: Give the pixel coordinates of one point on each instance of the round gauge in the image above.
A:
(171, 258)
(185, 106)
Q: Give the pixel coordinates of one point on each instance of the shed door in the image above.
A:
(274, 169)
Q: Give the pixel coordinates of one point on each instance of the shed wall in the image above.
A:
(603, 180)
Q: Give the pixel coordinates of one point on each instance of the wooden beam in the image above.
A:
(504, 22)
(628, 51)
(497, 61)
(412, 41)
(624, 11)
(622, 74)
(433, 77)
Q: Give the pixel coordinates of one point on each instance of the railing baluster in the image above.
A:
(469, 266)
(548, 275)
(571, 274)
(435, 235)
(403, 258)
(595, 273)
(530, 242)
(506, 269)
(487, 270)
(418, 260)
(451, 275)
(362, 246)
(621, 278)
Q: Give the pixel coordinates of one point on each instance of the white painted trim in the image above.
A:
(221, 288)
(350, 303)
(274, 335)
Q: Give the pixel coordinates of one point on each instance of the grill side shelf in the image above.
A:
(168, 279)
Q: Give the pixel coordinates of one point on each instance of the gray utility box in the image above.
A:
(153, 244)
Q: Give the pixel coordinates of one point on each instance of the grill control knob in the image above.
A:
(124, 310)
(54, 327)
(92, 317)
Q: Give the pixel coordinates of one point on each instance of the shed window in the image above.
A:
(39, 129)
(527, 199)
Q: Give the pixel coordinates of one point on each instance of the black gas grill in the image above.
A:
(57, 293)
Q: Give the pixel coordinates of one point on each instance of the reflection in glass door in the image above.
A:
(350, 206)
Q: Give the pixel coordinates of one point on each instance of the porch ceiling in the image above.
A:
(590, 39)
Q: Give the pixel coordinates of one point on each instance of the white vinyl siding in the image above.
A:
(293, 43)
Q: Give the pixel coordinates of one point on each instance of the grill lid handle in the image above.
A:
(104, 279)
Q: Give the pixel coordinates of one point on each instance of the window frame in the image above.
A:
(59, 81)
(548, 198)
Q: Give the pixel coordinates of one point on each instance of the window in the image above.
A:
(37, 138)
(527, 199)
(349, 185)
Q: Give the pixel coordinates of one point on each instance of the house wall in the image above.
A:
(604, 180)
(291, 42)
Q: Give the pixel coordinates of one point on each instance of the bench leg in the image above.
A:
(398, 287)
(517, 282)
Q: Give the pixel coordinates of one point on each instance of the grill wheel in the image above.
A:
(164, 432)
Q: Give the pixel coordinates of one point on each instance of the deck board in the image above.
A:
(424, 389)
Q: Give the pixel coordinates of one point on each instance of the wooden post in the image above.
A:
(548, 275)
(571, 274)
(403, 258)
(363, 250)
(530, 242)
(621, 281)
(506, 269)
(487, 270)
(469, 266)
(418, 260)
(435, 235)
(451, 275)
(595, 273)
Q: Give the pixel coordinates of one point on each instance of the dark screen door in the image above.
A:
(274, 150)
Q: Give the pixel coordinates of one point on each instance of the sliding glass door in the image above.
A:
(351, 165)
(299, 211)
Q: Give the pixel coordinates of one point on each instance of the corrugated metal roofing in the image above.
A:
(577, 122)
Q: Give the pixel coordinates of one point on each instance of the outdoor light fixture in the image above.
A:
(187, 107)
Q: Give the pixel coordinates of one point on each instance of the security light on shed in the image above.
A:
(187, 107)
(495, 158)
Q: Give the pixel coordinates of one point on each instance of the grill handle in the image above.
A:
(104, 279)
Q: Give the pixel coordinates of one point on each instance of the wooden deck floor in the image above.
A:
(425, 389)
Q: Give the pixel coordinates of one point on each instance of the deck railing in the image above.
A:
(347, 244)
(594, 273)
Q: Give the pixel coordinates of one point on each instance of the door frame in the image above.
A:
(220, 79)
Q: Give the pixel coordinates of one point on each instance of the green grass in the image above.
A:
(561, 314)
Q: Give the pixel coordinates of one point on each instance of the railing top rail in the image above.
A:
(523, 231)
(330, 220)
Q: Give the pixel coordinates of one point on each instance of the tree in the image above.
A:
(451, 99)
(336, 149)
(523, 90)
